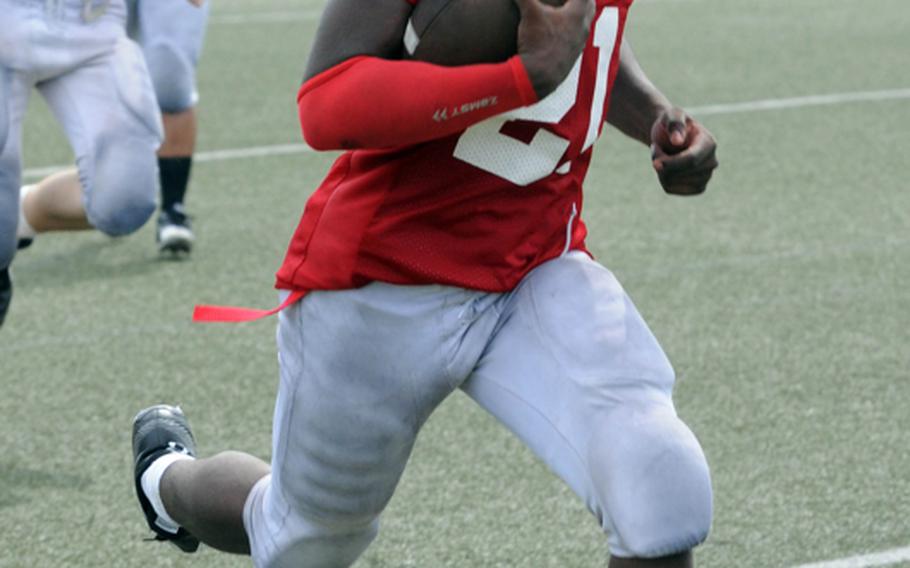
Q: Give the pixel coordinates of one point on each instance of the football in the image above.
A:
(462, 32)
(661, 137)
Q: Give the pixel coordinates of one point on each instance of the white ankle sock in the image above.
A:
(151, 481)
(24, 230)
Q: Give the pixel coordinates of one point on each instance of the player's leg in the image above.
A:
(361, 370)
(171, 34)
(577, 375)
(207, 497)
(198, 499)
(108, 111)
(53, 204)
(14, 91)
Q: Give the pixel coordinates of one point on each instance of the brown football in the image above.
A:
(462, 32)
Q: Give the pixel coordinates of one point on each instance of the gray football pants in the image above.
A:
(565, 362)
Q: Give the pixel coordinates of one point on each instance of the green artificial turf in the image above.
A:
(781, 297)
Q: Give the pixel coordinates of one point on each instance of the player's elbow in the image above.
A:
(320, 131)
(314, 135)
(316, 140)
(322, 141)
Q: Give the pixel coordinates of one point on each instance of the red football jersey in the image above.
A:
(478, 209)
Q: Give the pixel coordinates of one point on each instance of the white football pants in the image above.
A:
(564, 361)
(171, 33)
(96, 83)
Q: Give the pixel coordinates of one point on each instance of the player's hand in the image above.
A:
(683, 153)
(550, 40)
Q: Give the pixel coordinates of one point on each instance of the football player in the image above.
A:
(97, 84)
(445, 250)
(171, 34)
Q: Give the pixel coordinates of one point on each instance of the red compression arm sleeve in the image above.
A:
(373, 103)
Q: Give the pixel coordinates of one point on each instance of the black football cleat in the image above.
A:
(24, 243)
(6, 293)
(174, 233)
(160, 430)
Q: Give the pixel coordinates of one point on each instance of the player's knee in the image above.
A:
(296, 538)
(325, 544)
(116, 218)
(173, 77)
(122, 193)
(653, 482)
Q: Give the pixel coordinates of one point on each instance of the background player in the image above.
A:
(499, 299)
(97, 85)
(171, 34)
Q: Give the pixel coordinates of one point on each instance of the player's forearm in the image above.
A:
(635, 103)
(372, 103)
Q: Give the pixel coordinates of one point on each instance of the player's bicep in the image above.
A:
(349, 28)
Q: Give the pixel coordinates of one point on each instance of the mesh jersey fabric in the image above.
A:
(468, 209)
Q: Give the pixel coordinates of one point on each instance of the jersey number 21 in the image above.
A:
(484, 146)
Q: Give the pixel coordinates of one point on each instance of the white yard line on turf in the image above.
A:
(801, 102)
(708, 110)
(253, 152)
(210, 156)
(886, 558)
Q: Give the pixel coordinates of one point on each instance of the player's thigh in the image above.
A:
(577, 375)
(171, 33)
(573, 348)
(14, 91)
(361, 370)
(108, 110)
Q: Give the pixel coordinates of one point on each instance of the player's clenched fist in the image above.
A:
(550, 40)
(683, 153)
